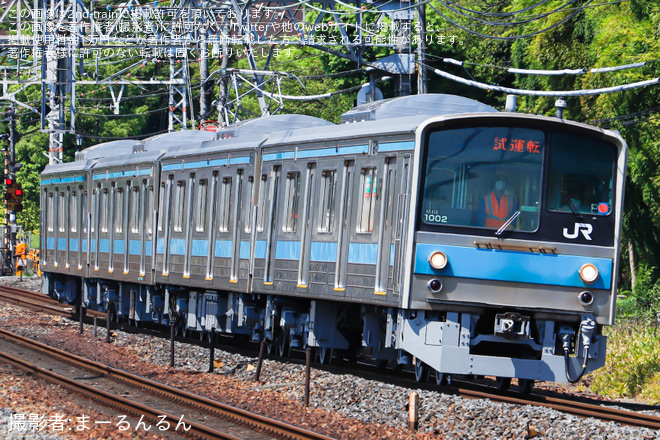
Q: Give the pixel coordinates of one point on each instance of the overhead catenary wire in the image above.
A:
(516, 37)
(549, 93)
(559, 72)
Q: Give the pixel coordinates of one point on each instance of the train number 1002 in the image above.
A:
(435, 218)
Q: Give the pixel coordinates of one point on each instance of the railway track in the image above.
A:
(187, 414)
(566, 405)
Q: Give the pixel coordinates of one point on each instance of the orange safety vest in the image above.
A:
(496, 213)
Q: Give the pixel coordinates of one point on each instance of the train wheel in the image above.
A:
(503, 383)
(283, 348)
(421, 371)
(325, 355)
(441, 379)
(525, 385)
(270, 345)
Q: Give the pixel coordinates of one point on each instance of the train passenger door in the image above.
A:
(272, 225)
(344, 225)
(384, 232)
(164, 222)
(236, 226)
(400, 224)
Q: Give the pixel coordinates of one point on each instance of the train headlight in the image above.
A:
(438, 260)
(588, 273)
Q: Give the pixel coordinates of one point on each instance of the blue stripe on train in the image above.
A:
(512, 266)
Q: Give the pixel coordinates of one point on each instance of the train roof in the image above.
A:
(259, 127)
(430, 104)
(69, 167)
(250, 134)
(104, 149)
(347, 131)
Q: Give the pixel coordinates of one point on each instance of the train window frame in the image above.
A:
(104, 210)
(134, 210)
(74, 214)
(148, 201)
(574, 175)
(481, 163)
(366, 211)
(263, 196)
(225, 204)
(50, 206)
(247, 213)
(328, 193)
(84, 208)
(179, 201)
(291, 202)
(61, 212)
(201, 205)
(118, 210)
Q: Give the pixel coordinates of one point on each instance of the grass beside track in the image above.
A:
(632, 368)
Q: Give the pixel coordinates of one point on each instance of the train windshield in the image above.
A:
(491, 177)
(482, 176)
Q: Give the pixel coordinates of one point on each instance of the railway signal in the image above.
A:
(13, 195)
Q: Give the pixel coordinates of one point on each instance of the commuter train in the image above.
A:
(430, 232)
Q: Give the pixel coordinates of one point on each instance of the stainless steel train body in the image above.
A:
(374, 237)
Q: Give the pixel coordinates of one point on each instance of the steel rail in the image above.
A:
(227, 412)
(572, 407)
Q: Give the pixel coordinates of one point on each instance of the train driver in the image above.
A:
(497, 206)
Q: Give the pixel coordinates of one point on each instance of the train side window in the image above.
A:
(103, 212)
(367, 202)
(292, 196)
(328, 188)
(83, 205)
(247, 213)
(263, 193)
(165, 194)
(73, 211)
(62, 211)
(134, 210)
(200, 211)
(51, 212)
(148, 206)
(119, 210)
(225, 204)
(179, 205)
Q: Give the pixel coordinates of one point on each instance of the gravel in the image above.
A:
(344, 406)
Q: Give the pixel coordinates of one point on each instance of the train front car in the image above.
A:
(514, 247)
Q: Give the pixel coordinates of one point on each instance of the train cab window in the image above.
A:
(483, 176)
(119, 210)
(179, 205)
(51, 212)
(291, 201)
(225, 204)
(200, 208)
(74, 214)
(367, 200)
(328, 188)
(62, 213)
(263, 194)
(580, 175)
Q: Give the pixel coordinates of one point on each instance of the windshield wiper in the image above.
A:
(507, 223)
(571, 205)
